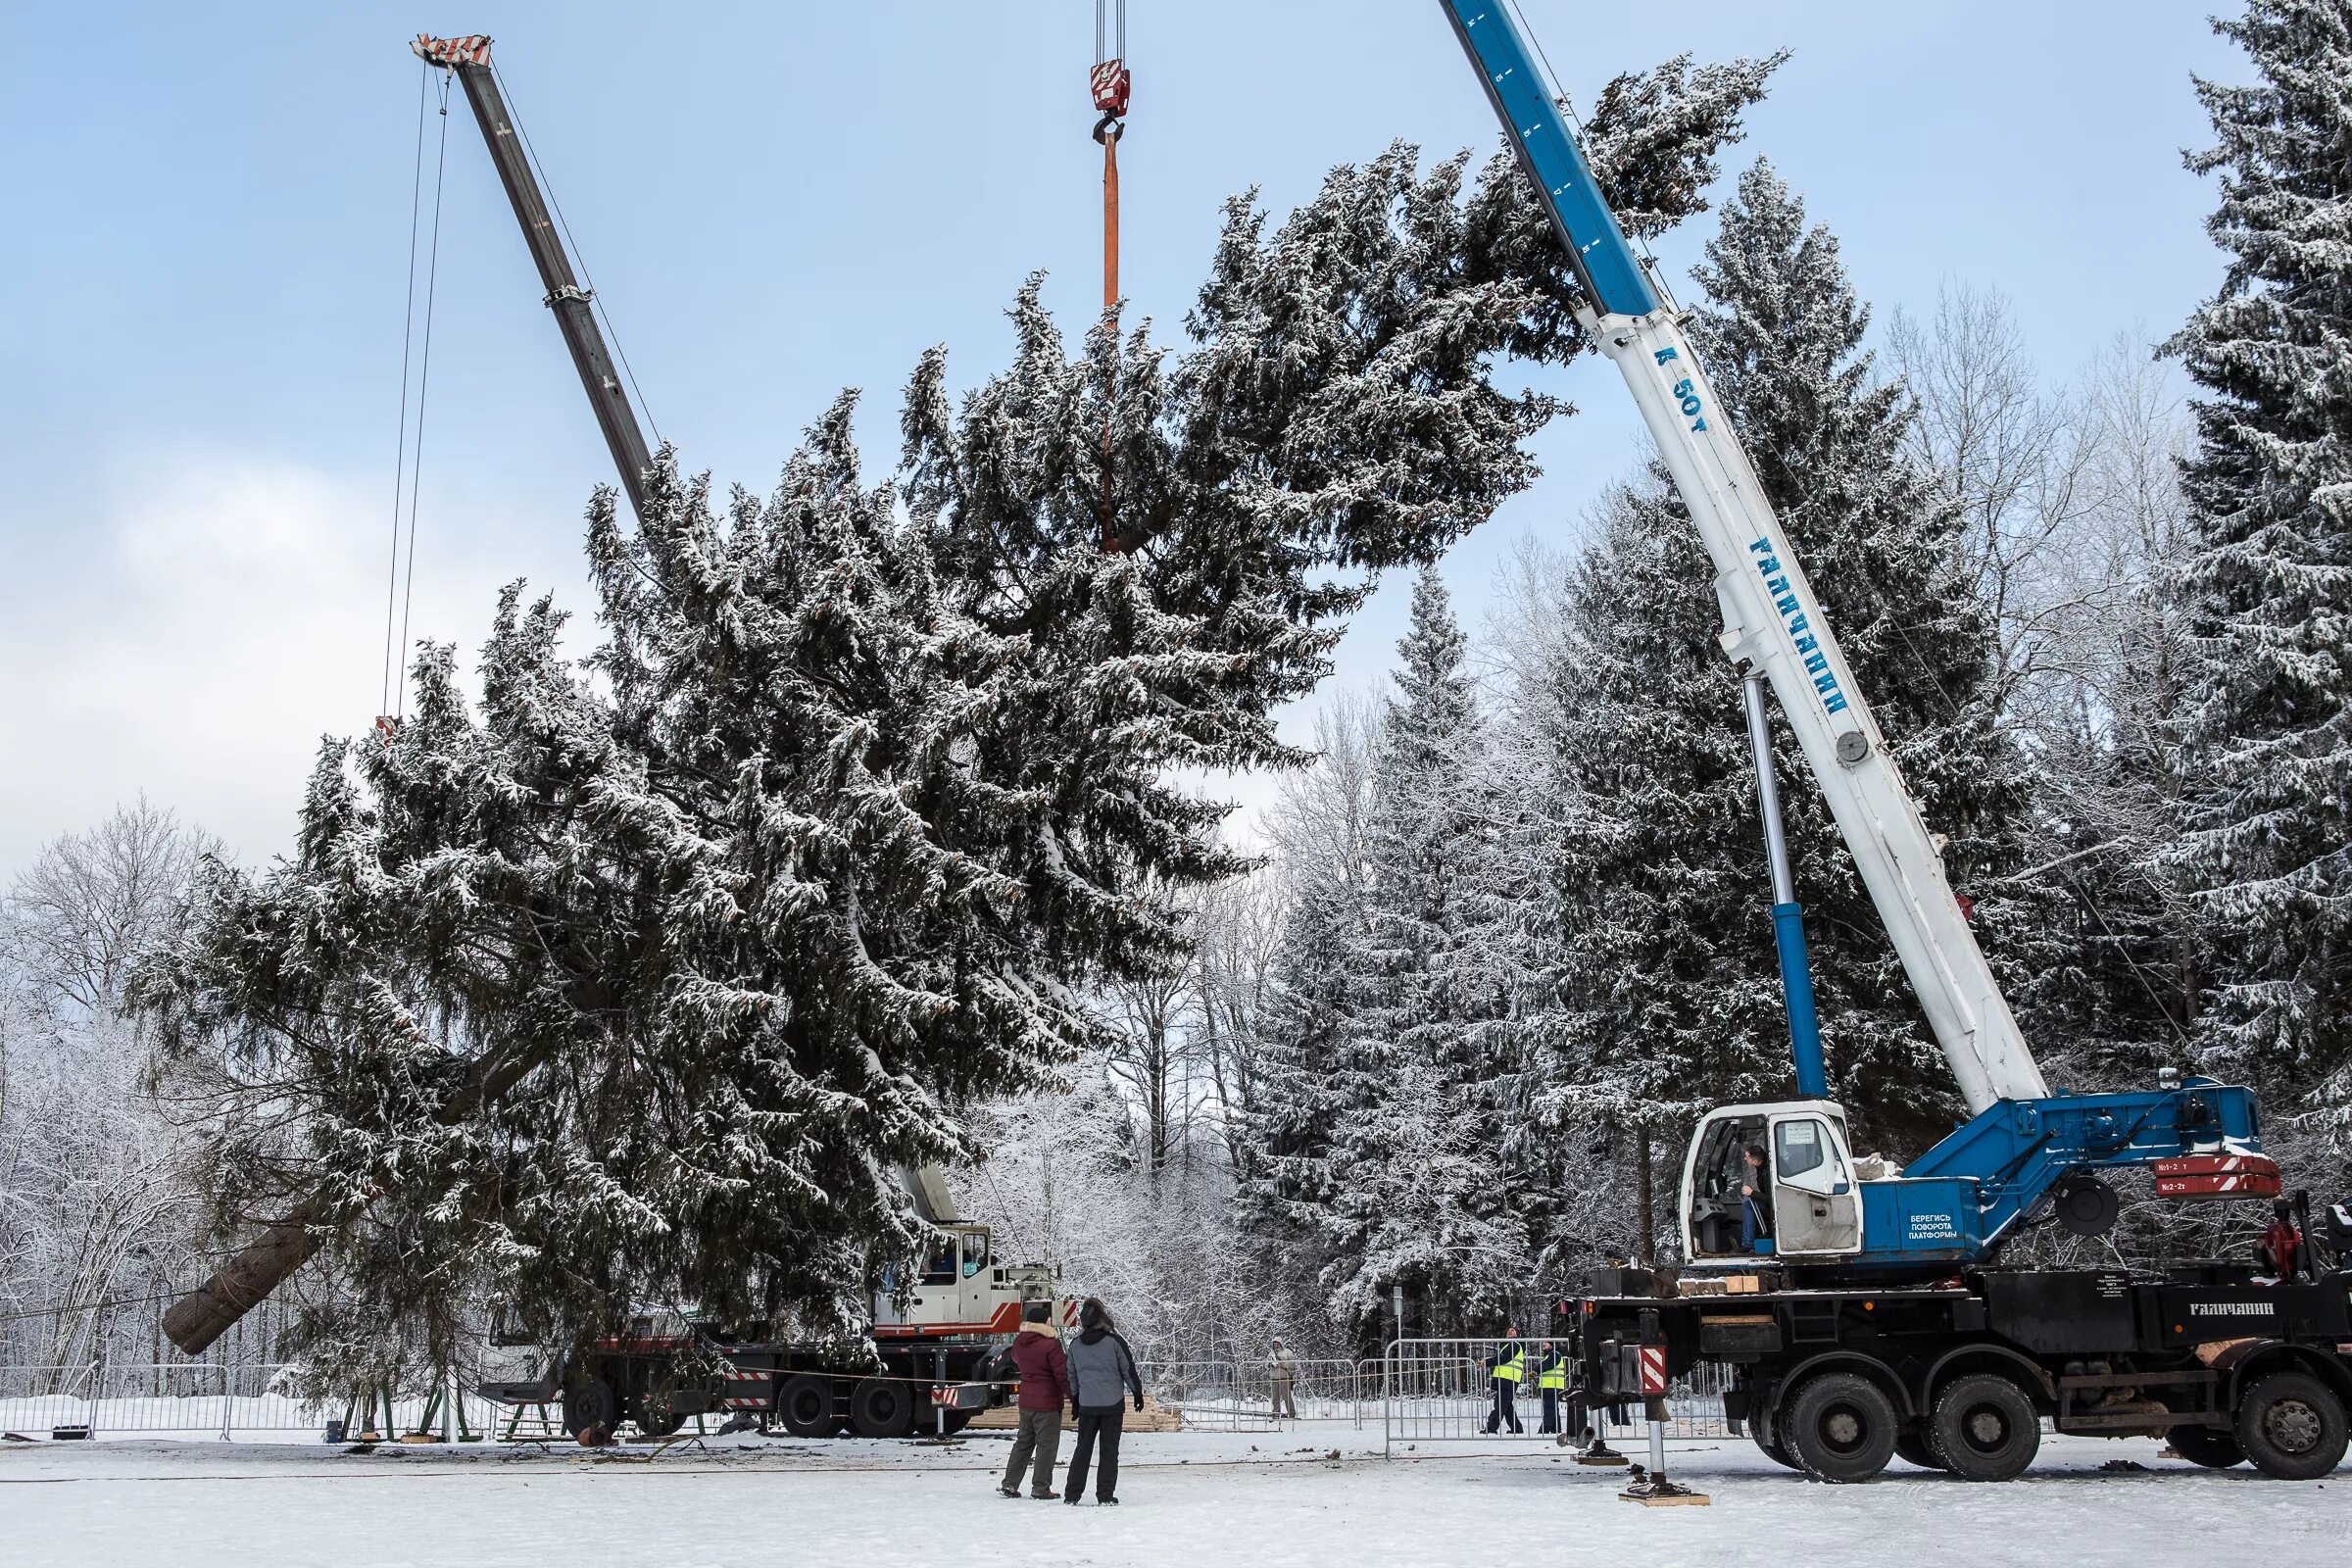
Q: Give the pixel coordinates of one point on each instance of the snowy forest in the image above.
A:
(881, 822)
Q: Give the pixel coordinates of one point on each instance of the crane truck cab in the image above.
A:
(962, 1288)
(1812, 1205)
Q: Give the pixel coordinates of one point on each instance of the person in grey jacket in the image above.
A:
(1102, 1375)
(1284, 1365)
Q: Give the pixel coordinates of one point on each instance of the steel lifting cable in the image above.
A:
(402, 582)
(400, 458)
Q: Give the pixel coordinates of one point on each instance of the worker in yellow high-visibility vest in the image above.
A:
(1505, 1367)
(1552, 1380)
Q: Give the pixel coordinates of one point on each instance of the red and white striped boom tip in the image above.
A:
(450, 53)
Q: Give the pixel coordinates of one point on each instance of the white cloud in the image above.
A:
(196, 632)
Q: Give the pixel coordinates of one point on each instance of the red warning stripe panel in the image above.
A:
(2219, 1176)
(472, 50)
(1111, 83)
(644, 1342)
(1653, 1370)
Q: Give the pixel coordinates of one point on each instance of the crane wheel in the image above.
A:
(805, 1406)
(1984, 1428)
(1762, 1425)
(588, 1403)
(883, 1407)
(2209, 1446)
(1839, 1427)
(2291, 1425)
(1913, 1448)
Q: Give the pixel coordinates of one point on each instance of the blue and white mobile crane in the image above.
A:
(1869, 1322)
(1957, 1203)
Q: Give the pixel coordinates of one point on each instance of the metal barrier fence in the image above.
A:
(1243, 1396)
(1444, 1391)
(195, 1399)
(1428, 1391)
(1213, 1395)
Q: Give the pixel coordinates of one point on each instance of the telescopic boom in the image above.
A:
(1772, 619)
(469, 58)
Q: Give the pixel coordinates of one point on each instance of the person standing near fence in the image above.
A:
(1552, 1380)
(1044, 1390)
(1283, 1367)
(1102, 1376)
(1505, 1367)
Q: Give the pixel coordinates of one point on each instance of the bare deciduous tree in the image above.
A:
(92, 1201)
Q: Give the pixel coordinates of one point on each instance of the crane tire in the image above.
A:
(1839, 1427)
(1984, 1428)
(588, 1405)
(1913, 1448)
(2291, 1425)
(2209, 1447)
(805, 1406)
(883, 1407)
(1763, 1426)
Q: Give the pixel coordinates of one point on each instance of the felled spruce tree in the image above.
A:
(2266, 728)
(635, 982)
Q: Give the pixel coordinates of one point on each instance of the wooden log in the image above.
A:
(251, 1273)
(263, 1264)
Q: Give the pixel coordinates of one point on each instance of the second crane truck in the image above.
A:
(1874, 1319)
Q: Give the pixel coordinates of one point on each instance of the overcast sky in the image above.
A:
(208, 215)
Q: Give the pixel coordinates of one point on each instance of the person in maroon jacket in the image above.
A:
(1044, 1390)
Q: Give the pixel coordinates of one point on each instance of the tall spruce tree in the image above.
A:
(637, 981)
(1419, 1192)
(2265, 731)
(1651, 139)
(1311, 1073)
(1670, 996)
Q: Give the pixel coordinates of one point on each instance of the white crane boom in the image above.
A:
(1770, 618)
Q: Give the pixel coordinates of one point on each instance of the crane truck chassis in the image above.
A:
(925, 1365)
(1958, 1374)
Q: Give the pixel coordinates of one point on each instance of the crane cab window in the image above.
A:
(940, 1267)
(507, 1330)
(975, 1254)
(1805, 1156)
(1798, 1147)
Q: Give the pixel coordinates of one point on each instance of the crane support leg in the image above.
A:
(1788, 916)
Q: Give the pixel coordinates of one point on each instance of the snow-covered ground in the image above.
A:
(1203, 1498)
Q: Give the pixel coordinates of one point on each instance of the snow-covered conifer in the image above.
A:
(2266, 729)
(638, 981)
(1670, 996)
